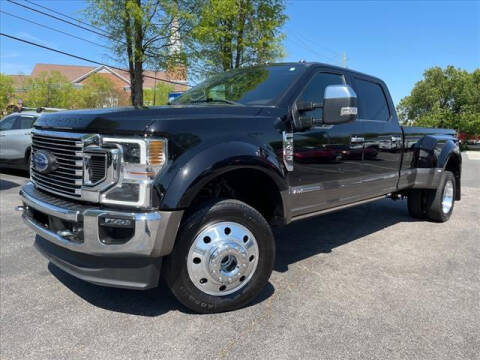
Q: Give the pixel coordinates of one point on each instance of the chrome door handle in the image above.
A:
(357, 139)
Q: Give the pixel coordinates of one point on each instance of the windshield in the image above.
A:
(260, 85)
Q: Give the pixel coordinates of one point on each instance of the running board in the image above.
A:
(346, 206)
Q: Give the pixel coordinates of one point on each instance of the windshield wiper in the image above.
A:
(212, 100)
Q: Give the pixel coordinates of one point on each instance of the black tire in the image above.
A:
(435, 209)
(416, 201)
(175, 267)
(27, 160)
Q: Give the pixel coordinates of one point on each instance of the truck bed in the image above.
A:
(414, 130)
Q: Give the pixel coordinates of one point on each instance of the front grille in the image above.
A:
(66, 180)
(97, 168)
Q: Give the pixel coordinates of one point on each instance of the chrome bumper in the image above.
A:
(154, 232)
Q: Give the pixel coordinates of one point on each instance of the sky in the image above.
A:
(393, 40)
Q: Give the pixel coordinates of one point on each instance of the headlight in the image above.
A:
(142, 160)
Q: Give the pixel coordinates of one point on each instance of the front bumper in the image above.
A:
(150, 236)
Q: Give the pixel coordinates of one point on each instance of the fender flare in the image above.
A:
(194, 172)
(439, 148)
(449, 150)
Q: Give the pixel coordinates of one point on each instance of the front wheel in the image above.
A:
(222, 259)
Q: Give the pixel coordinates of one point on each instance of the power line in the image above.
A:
(105, 35)
(53, 29)
(64, 15)
(311, 46)
(60, 19)
(305, 46)
(84, 59)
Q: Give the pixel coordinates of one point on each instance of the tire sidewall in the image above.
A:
(448, 178)
(177, 274)
(436, 209)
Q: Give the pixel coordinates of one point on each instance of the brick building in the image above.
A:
(77, 75)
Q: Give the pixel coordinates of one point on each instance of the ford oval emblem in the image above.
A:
(44, 161)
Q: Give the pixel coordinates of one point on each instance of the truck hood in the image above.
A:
(129, 120)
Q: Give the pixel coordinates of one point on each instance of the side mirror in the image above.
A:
(339, 104)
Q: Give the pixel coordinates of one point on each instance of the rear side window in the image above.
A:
(25, 122)
(372, 104)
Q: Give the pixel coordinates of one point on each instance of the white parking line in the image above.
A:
(473, 155)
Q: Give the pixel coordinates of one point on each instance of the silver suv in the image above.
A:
(16, 140)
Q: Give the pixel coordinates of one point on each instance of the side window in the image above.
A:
(372, 104)
(25, 122)
(7, 123)
(315, 90)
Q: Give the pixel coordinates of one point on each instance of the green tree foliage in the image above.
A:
(97, 92)
(6, 91)
(447, 97)
(141, 33)
(233, 33)
(49, 89)
(159, 96)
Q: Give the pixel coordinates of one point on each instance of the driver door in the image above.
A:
(328, 168)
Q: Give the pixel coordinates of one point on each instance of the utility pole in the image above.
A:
(155, 89)
(344, 59)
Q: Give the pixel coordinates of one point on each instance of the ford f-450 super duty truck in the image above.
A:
(189, 191)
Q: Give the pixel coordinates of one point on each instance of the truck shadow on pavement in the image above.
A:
(322, 234)
(153, 302)
(5, 184)
(295, 242)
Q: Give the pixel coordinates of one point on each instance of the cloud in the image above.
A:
(32, 38)
(10, 54)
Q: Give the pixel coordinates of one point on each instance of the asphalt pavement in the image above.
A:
(364, 283)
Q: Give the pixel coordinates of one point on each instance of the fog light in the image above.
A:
(115, 229)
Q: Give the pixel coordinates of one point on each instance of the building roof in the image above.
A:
(71, 72)
(77, 73)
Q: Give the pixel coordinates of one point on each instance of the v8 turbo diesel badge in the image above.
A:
(44, 161)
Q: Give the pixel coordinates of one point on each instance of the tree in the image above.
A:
(157, 96)
(48, 89)
(447, 97)
(98, 91)
(141, 32)
(233, 33)
(7, 91)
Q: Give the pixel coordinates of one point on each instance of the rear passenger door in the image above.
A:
(381, 135)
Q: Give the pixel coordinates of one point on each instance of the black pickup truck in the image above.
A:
(190, 191)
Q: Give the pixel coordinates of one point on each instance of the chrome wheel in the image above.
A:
(447, 200)
(222, 258)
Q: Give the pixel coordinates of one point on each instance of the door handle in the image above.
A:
(357, 139)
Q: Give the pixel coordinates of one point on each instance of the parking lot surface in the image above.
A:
(364, 283)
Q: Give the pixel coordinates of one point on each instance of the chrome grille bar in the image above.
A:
(67, 148)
